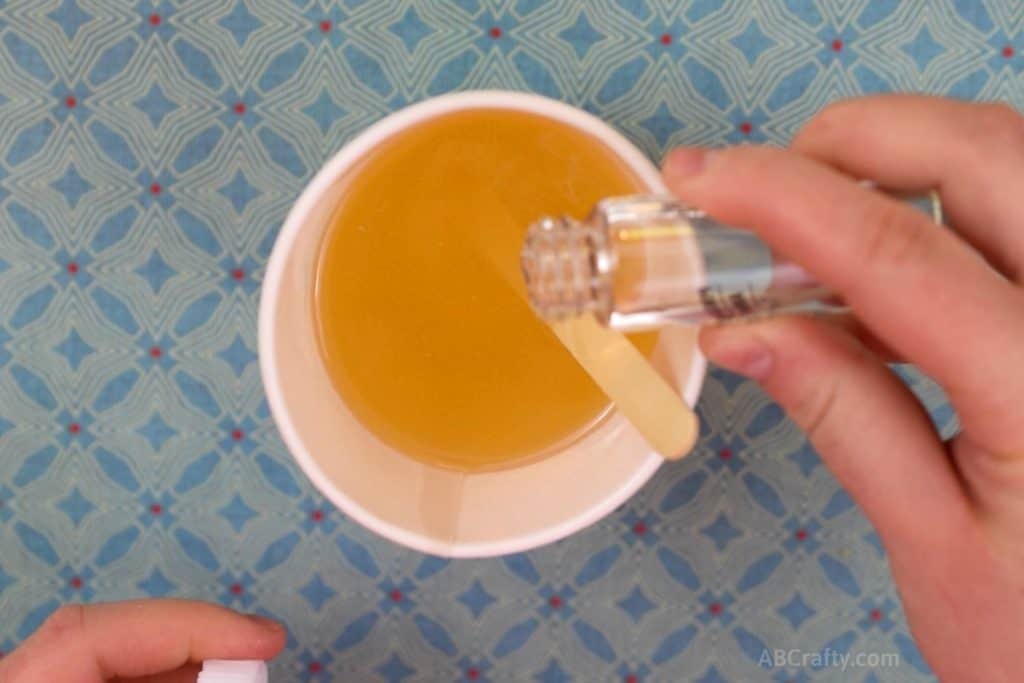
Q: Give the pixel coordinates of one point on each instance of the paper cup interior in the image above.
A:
(431, 509)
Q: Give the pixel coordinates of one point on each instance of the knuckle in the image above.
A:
(998, 125)
(752, 161)
(816, 411)
(999, 115)
(894, 237)
(66, 623)
(828, 124)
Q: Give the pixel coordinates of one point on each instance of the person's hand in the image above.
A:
(144, 641)
(951, 515)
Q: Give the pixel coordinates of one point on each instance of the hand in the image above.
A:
(147, 641)
(951, 515)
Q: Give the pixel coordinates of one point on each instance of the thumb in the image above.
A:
(865, 423)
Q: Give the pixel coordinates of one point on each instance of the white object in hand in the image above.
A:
(224, 671)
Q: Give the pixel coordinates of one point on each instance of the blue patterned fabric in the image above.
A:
(148, 154)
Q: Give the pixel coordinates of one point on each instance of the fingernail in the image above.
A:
(265, 622)
(684, 162)
(736, 349)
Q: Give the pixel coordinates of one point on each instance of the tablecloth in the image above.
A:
(148, 154)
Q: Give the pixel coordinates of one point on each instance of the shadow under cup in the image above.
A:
(431, 509)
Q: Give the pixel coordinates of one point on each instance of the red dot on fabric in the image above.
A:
(156, 509)
(837, 45)
(70, 101)
(801, 534)
(155, 188)
(640, 528)
(155, 352)
(240, 108)
(317, 515)
(315, 667)
(72, 268)
(236, 589)
(725, 454)
(74, 428)
(631, 678)
(76, 582)
(1008, 51)
(238, 274)
(715, 608)
(666, 39)
(555, 601)
(746, 128)
(496, 32)
(154, 19)
(237, 434)
(876, 615)
(396, 595)
(472, 674)
(325, 26)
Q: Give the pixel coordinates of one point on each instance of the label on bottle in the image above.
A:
(727, 304)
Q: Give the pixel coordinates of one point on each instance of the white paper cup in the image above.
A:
(431, 509)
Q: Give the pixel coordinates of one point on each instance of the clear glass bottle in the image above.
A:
(643, 262)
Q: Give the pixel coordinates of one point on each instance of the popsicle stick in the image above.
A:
(629, 380)
(626, 377)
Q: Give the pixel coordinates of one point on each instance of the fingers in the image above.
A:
(186, 674)
(141, 638)
(131, 639)
(971, 153)
(856, 329)
(863, 421)
(920, 289)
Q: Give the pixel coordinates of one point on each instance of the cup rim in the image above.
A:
(296, 221)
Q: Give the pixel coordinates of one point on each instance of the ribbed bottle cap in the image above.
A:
(564, 265)
(223, 671)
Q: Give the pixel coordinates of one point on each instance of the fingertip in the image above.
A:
(685, 161)
(738, 348)
(822, 129)
(271, 625)
(727, 179)
(683, 164)
(278, 640)
(270, 637)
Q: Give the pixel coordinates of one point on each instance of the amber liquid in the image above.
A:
(424, 332)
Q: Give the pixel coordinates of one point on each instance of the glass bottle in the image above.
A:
(643, 262)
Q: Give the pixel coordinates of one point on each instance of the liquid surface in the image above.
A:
(425, 334)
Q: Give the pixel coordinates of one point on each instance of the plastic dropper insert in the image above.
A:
(225, 671)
